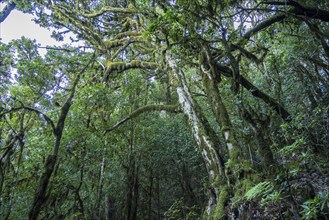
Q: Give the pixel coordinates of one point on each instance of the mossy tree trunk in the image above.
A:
(235, 169)
(259, 128)
(205, 137)
(210, 82)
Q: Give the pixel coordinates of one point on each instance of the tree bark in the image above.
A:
(41, 196)
(210, 83)
(203, 134)
(285, 115)
(150, 194)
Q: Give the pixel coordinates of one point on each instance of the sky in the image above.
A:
(18, 24)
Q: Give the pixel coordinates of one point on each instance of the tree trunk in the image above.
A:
(204, 136)
(150, 194)
(210, 83)
(41, 196)
(100, 195)
(158, 198)
(132, 181)
(187, 190)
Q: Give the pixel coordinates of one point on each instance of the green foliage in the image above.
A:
(222, 200)
(150, 166)
(259, 191)
(316, 207)
(179, 211)
(174, 212)
(291, 150)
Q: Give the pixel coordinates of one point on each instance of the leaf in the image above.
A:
(259, 190)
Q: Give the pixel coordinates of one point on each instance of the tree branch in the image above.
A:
(147, 108)
(122, 66)
(264, 24)
(107, 9)
(256, 92)
(119, 42)
(299, 9)
(6, 11)
(32, 110)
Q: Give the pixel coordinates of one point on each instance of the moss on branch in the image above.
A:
(134, 64)
(119, 42)
(127, 34)
(226, 71)
(148, 108)
(105, 9)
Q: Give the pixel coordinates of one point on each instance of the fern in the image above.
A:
(259, 190)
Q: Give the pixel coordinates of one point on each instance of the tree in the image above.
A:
(6, 10)
(250, 79)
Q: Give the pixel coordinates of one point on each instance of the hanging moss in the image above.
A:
(120, 66)
(120, 42)
(126, 34)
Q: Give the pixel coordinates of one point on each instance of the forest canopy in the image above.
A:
(179, 109)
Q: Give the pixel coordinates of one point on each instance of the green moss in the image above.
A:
(244, 166)
(220, 208)
(242, 177)
(216, 182)
(242, 187)
(135, 63)
(115, 65)
(246, 184)
(234, 154)
(150, 65)
(127, 34)
(110, 43)
(120, 42)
